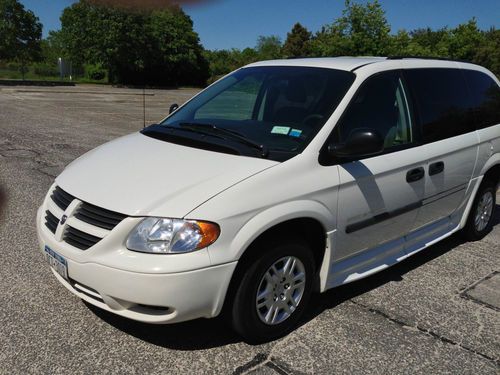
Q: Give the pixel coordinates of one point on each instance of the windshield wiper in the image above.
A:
(210, 129)
(191, 130)
(199, 140)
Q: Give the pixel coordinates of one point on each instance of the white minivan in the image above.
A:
(283, 178)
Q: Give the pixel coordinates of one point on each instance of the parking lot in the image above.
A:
(438, 312)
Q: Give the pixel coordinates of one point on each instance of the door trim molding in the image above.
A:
(354, 227)
(381, 217)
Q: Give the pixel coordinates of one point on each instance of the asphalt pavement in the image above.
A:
(437, 312)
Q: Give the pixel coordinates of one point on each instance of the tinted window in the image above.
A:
(485, 98)
(380, 104)
(442, 101)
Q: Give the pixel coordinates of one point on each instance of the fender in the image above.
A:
(275, 215)
(268, 218)
(492, 161)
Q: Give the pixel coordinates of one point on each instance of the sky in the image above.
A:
(224, 24)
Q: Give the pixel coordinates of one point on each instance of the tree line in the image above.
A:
(363, 30)
(160, 47)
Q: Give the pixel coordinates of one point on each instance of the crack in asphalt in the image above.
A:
(10, 153)
(42, 164)
(464, 292)
(13, 153)
(258, 360)
(45, 173)
(276, 367)
(428, 332)
(265, 360)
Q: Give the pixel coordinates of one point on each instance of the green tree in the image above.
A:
(268, 47)
(158, 47)
(432, 43)
(402, 44)
(218, 62)
(362, 30)
(488, 53)
(297, 42)
(461, 42)
(329, 42)
(176, 52)
(53, 47)
(223, 62)
(465, 40)
(20, 34)
(247, 56)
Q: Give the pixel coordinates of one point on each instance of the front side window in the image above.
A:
(443, 102)
(279, 107)
(380, 104)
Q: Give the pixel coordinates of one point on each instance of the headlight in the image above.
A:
(171, 236)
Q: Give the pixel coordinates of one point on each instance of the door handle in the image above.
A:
(436, 168)
(415, 175)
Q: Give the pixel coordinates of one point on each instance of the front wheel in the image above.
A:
(273, 292)
(480, 219)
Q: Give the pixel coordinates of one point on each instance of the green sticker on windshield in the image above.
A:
(280, 130)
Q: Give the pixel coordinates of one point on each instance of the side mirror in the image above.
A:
(360, 143)
(173, 108)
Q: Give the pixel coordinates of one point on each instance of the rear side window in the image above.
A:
(442, 101)
(485, 98)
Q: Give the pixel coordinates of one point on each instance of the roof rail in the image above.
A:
(426, 58)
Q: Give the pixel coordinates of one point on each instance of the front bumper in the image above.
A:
(152, 297)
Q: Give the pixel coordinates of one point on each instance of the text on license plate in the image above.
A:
(57, 262)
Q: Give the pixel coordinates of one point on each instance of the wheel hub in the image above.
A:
(280, 290)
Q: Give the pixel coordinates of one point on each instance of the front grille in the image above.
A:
(61, 198)
(79, 239)
(51, 221)
(99, 217)
(86, 214)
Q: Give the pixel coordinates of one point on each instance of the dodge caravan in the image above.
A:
(283, 178)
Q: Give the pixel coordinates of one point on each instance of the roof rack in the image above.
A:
(425, 58)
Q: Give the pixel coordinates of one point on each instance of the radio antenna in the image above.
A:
(144, 105)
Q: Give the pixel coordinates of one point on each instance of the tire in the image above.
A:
(479, 224)
(247, 320)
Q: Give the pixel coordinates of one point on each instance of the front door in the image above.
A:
(379, 197)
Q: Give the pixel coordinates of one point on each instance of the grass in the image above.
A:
(32, 76)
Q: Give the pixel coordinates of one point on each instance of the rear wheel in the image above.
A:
(274, 291)
(480, 219)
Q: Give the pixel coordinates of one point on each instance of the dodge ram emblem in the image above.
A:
(63, 219)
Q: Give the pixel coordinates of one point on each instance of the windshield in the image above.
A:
(279, 108)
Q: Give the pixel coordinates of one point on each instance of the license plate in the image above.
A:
(57, 262)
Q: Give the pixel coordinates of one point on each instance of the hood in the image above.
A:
(140, 176)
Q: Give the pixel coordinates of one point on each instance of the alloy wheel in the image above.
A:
(280, 290)
(484, 211)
